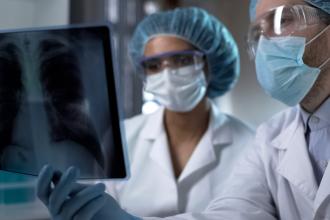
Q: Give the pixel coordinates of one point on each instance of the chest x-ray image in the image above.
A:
(58, 102)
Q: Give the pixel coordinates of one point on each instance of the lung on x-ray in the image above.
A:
(58, 102)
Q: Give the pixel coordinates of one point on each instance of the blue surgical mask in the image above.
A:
(281, 70)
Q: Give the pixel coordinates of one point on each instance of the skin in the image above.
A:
(184, 129)
(315, 54)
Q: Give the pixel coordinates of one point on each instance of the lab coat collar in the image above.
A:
(154, 125)
(221, 130)
(323, 113)
(154, 131)
(295, 164)
(161, 155)
(218, 134)
(323, 192)
(283, 140)
(305, 117)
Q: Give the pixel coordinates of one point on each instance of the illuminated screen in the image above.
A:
(58, 102)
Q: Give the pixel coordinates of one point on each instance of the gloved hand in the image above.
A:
(66, 199)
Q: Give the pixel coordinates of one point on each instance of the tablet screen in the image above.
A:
(58, 102)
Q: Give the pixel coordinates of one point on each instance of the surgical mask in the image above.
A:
(281, 70)
(180, 89)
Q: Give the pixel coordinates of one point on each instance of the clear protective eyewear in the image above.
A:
(173, 60)
(284, 20)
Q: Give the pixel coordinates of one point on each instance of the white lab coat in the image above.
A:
(153, 189)
(275, 180)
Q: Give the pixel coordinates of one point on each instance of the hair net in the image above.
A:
(321, 4)
(203, 31)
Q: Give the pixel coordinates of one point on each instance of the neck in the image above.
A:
(312, 106)
(182, 126)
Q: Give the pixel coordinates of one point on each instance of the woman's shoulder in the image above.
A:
(140, 127)
(138, 122)
(223, 121)
(239, 125)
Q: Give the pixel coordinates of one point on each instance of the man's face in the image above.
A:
(315, 53)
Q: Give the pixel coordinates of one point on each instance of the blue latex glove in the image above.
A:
(66, 199)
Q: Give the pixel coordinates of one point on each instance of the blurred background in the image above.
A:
(246, 101)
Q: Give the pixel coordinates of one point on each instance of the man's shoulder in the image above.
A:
(277, 124)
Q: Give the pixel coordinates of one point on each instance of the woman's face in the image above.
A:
(170, 50)
(167, 51)
(174, 73)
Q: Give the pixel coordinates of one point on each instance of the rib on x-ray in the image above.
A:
(54, 104)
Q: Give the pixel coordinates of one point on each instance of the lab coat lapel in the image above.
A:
(324, 190)
(295, 164)
(154, 133)
(204, 154)
(160, 154)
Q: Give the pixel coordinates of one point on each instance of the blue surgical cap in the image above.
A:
(204, 32)
(321, 4)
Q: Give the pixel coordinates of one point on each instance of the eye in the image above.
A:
(183, 60)
(153, 65)
(286, 20)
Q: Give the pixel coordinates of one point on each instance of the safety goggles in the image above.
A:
(283, 21)
(172, 60)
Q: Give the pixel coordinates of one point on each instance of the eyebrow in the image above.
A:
(170, 53)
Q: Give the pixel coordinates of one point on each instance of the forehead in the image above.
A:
(164, 44)
(265, 5)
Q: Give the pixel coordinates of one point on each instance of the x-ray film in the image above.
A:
(58, 102)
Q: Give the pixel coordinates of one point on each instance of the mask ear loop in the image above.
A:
(314, 38)
(318, 35)
(324, 63)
